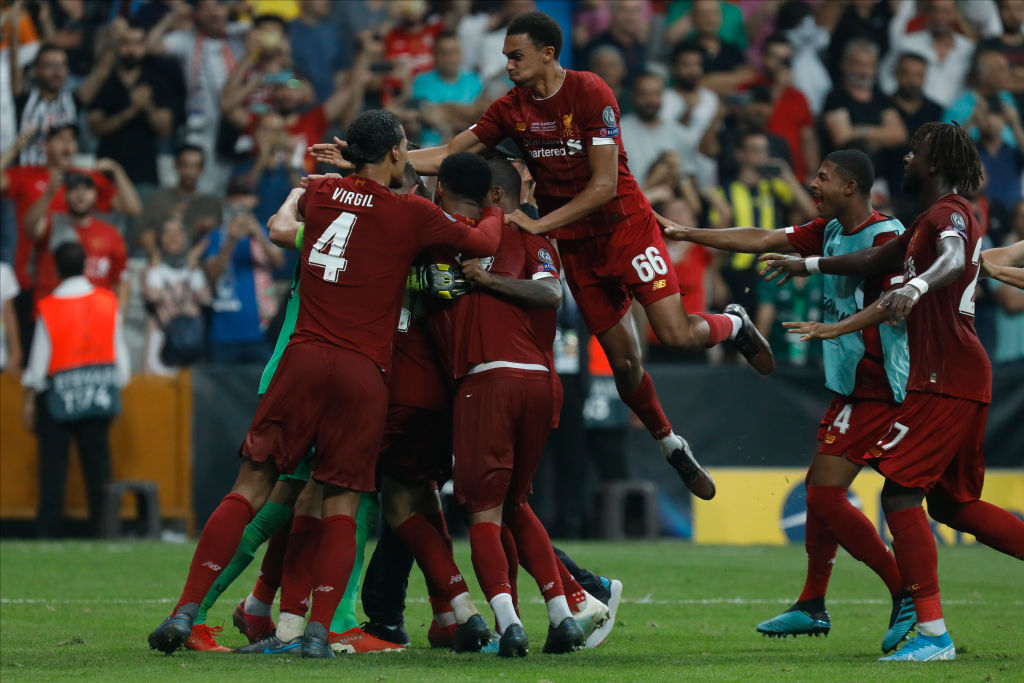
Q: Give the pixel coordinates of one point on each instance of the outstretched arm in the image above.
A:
(747, 240)
(1005, 264)
(428, 161)
(543, 293)
(886, 258)
(286, 225)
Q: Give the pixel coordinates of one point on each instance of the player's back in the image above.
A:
(946, 356)
(358, 244)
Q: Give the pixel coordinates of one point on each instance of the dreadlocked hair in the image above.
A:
(952, 152)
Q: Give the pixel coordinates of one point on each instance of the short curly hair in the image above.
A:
(370, 136)
(541, 29)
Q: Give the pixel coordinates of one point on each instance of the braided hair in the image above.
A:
(952, 152)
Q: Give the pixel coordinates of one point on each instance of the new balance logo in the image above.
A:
(305, 602)
(323, 589)
(212, 565)
(547, 586)
(455, 579)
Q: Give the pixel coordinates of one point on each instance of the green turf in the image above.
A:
(83, 610)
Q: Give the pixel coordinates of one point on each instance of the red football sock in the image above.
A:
(821, 556)
(855, 533)
(512, 557)
(269, 577)
(217, 545)
(535, 551)
(437, 519)
(914, 548)
(298, 565)
(489, 559)
(574, 592)
(333, 567)
(644, 402)
(721, 328)
(992, 525)
(433, 556)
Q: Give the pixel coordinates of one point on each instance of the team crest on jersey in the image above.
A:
(567, 127)
(608, 116)
(544, 256)
(520, 126)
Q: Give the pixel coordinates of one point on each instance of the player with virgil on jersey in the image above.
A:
(359, 243)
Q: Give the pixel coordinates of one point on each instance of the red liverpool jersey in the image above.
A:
(555, 134)
(360, 240)
(946, 356)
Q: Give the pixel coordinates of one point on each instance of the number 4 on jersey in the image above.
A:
(329, 249)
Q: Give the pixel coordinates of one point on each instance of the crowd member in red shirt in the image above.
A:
(950, 381)
(791, 117)
(409, 45)
(39, 190)
(359, 243)
(105, 252)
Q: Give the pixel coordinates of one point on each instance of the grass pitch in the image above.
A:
(83, 610)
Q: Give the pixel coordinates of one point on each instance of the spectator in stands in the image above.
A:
(791, 117)
(948, 53)
(745, 112)
(797, 22)
(1010, 42)
(856, 113)
(200, 213)
(724, 65)
(861, 19)
(39, 190)
(239, 264)
(990, 78)
(105, 253)
(915, 109)
(249, 87)
(131, 111)
(766, 194)
(72, 389)
(277, 167)
(19, 42)
(175, 290)
(687, 101)
(801, 297)
(482, 36)
(10, 342)
(48, 103)
(409, 45)
(629, 31)
(317, 52)
(73, 26)
(199, 40)
(680, 20)
(646, 135)
(607, 62)
(1003, 163)
(448, 93)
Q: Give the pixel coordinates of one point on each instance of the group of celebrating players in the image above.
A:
(421, 332)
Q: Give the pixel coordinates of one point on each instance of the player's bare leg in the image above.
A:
(491, 567)
(217, 544)
(636, 389)
(405, 510)
(678, 330)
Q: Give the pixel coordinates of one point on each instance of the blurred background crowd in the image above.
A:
(162, 134)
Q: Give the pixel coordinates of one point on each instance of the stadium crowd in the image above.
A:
(183, 124)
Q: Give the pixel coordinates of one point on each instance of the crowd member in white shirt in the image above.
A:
(948, 53)
(646, 135)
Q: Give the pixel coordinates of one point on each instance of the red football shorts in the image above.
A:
(502, 420)
(935, 442)
(606, 272)
(417, 446)
(332, 398)
(852, 426)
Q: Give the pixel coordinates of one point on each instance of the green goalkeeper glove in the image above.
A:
(438, 279)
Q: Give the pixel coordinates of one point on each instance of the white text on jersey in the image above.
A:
(353, 198)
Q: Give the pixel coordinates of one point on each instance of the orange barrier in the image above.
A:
(149, 440)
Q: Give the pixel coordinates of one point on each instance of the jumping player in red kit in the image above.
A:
(329, 391)
(933, 448)
(566, 124)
